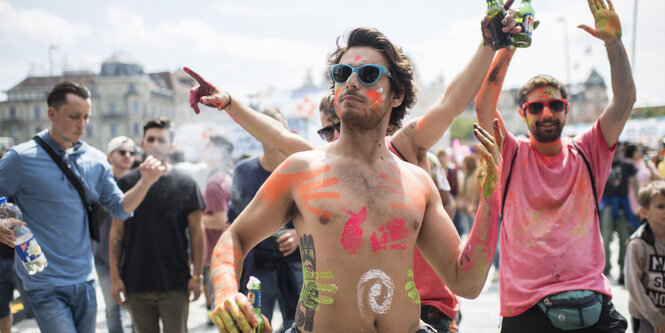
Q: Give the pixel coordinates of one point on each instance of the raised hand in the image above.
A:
(151, 169)
(491, 162)
(206, 93)
(608, 26)
(509, 24)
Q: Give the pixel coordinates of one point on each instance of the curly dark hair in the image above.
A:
(541, 80)
(402, 80)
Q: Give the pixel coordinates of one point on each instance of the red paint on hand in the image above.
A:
(204, 88)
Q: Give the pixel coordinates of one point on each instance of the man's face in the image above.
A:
(122, 157)
(70, 119)
(360, 105)
(545, 126)
(156, 142)
(328, 122)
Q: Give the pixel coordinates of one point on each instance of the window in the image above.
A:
(113, 129)
(13, 132)
(38, 112)
(111, 108)
(137, 129)
(135, 107)
(12, 113)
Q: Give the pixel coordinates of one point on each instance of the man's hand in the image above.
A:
(491, 163)
(206, 93)
(509, 25)
(6, 234)
(288, 242)
(151, 169)
(194, 288)
(608, 26)
(118, 291)
(235, 314)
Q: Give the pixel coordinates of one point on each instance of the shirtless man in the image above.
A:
(360, 211)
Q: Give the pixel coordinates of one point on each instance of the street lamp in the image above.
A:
(566, 49)
(632, 55)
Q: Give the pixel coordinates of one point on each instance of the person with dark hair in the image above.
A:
(216, 195)
(63, 295)
(440, 307)
(551, 248)
(359, 211)
(150, 271)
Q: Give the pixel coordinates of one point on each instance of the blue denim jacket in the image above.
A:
(53, 209)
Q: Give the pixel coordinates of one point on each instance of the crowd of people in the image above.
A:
(376, 231)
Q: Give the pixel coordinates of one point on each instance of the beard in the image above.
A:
(361, 117)
(550, 134)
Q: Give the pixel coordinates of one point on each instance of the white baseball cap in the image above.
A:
(118, 141)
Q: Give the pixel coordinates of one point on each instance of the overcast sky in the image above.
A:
(249, 45)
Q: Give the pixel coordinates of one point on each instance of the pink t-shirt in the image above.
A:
(550, 237)
(216, 196)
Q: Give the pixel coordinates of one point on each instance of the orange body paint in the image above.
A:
(375, 99)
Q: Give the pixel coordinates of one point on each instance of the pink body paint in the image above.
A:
(357, 58)
(352, 236)
(393, 238)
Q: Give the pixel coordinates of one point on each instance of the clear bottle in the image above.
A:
(525, 18)
(496, 13)
(254, 296)
(26, 245)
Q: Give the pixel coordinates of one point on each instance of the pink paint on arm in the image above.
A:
(352, 236)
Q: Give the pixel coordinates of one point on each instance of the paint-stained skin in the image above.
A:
(310, 297)
(375, 99)
(412, 188)
(223, 271)
(394, 237)
(278, 184)
(352, 236)
(375, 290)
(410, 287)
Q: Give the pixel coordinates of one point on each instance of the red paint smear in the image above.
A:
(352, 236)
(375, 99)
(357, 58)
(337, 96)
(422, 123)
(395, 235)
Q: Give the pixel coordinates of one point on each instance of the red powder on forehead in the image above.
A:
(357, 58)
(375, 99)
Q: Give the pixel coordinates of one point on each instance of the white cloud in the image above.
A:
(39, 25)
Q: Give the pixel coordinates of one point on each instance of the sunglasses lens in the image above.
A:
(368, 74)
(341, 73)
(535, 107)
(557, 105)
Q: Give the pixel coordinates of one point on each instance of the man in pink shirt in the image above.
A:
(550, 239)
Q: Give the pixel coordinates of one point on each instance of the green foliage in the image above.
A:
(462, 128)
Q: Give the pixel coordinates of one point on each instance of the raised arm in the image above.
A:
(262, 127)
(608, 29)
(488, 95)
(422, 133)
(265, 214)
(464, 266)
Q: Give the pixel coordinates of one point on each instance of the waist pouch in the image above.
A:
(572, 310)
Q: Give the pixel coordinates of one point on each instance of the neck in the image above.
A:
(363, 145)
(62, 142)
(658, 231)
(118, 171)
(547, 148)
(271, 159)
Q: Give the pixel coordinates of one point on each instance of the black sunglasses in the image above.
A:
(367, 74)
(328, 133)
(555, 104)
(125, 152)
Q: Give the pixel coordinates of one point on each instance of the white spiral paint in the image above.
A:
(378, 281)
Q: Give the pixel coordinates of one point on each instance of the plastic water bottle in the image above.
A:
(26, 245)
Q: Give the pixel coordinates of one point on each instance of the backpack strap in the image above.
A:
(505, 190)
(593, 181)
